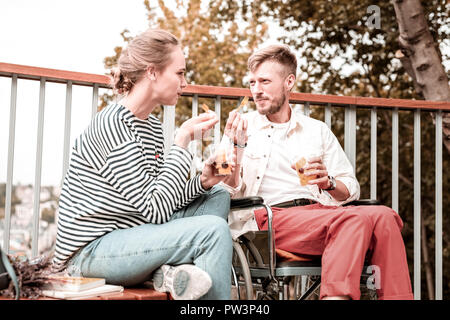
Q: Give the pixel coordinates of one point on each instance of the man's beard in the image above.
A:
(275, 106)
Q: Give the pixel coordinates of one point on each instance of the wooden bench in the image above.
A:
(133, 293)
(137, 293)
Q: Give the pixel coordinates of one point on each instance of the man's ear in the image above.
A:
(151, 72)
(290, 81)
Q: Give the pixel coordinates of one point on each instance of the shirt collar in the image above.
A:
(295, 122)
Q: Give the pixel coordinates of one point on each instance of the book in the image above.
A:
(89, 293)
(74, 284)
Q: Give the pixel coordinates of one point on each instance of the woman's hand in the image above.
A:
(195, 128)
(209, 176)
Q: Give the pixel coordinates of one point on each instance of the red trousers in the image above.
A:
(343, 236)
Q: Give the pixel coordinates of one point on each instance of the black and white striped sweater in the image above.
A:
(119, 178)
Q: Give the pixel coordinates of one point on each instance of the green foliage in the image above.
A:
(14, 199)
(340, 54)
(48, 214)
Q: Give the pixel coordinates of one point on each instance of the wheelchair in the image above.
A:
(267, 273)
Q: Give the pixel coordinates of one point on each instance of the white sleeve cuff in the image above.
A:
(231, 190)
(352, 187)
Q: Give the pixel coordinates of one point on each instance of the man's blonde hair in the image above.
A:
(279, 53)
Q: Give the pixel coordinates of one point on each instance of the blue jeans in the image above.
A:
(197, 234)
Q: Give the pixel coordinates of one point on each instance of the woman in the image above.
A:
(126, 209)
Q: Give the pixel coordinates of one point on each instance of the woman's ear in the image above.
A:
(151, 72)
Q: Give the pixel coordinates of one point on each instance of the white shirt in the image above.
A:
(276, 181)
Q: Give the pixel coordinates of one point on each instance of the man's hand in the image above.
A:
(236, 131)
(315, 167)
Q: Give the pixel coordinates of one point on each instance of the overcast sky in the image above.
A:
(67, 35)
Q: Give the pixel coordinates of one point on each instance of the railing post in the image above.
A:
(328, 115)
(395, 159)
(373, 153)
(194, 144)
(417, 206)
(94, 100)
(217, 109)
(168, 127)
(38, 169)
(306, 109)
(350, 134)
(67, 125)
(438, 221)
(10, 168)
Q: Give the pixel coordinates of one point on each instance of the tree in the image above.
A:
(14, 199)
(48, 214)
(421, 57)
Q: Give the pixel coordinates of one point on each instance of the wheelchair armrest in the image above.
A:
(363, 202)
(246, 202)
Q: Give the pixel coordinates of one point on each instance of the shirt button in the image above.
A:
(257, 177)
(268, 135)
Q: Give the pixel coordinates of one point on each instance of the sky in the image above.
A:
(67, 35)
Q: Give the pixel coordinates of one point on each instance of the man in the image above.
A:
(318, 224)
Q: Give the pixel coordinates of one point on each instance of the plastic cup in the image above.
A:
(300, 162)
(222, 158)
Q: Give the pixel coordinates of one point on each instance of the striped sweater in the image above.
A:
(119, 178)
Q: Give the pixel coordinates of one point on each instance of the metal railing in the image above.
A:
(350, 104)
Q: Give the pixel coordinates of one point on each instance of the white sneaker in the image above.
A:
(184, 282)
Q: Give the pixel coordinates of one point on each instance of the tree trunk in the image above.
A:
(421, 57)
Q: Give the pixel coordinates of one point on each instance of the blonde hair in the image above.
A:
(150, 47)
(278, 53)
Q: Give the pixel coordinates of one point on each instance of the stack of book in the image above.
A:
(65, 287)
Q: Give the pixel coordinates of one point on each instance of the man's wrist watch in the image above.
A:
(332, 182)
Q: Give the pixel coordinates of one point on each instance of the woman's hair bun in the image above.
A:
(120, 83)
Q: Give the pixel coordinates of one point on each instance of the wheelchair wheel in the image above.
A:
(242, 264)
